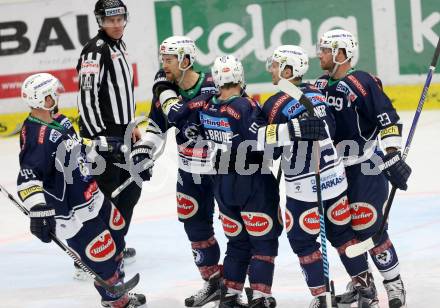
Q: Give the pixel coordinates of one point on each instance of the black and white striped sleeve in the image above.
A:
(91, 71)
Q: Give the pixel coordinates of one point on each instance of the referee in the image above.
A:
(106, 101)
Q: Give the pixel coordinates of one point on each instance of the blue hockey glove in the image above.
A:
(309, 128)
(142, 160)
(42, 221)
(396, 170)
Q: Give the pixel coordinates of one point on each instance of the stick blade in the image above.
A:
(123, 288)
(359, 248)
(290, 89)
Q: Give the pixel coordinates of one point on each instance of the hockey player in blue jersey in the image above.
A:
(302, 218)
(364, 114)
(194, 192)
(248, 198)
(56, 186)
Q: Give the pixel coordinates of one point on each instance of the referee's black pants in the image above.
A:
(112, 178)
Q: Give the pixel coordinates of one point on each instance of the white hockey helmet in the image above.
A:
(227, 69)
(180, 46)
(291, 55)
(36, 88)
(337, 39)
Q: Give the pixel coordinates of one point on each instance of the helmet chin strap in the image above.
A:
(337, 64)
(183, 70)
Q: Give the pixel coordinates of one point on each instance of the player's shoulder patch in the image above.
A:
(65, 122)
(54, 135)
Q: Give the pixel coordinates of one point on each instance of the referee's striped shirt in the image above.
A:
(105, 99)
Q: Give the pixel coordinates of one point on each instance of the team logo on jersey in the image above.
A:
(385, 258)
(198, 256)
(99, 42)
(101, 248)
(339, 213)
(289, 220)
(117, 222)
(309, 221)
(363, 215)
(187, 206)
(257, 224)
(54, 135)
(231, 227)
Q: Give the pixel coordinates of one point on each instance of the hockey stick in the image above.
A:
(290, 89)
(117, 290)
(362, 247)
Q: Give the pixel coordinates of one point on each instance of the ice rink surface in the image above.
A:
(33, 274)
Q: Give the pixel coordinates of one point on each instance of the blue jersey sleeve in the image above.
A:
(376, 107)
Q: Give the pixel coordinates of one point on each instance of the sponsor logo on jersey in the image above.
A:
(187, 206)
(26, 193)
(41, 134)
(208, 90)
(357, 84)
(231, 227)
(289, 220)
(315, 98)
(101, 248)
(90, 190)
(329, 181)
(309, 221)
(54, 135)
(215, 122)
(117, 222)
(292, 109)
(345, 88)
(363, 215)
(231, 111)
(196, 105)
(321, 83)
(390, 131)
(336, 102)
(90, 67)
(276, 106)
(339, 213)
(257, 224)
(271, 134)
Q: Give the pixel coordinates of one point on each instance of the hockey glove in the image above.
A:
(310, 128)
(107, 146)
(42, 221)
(161, 84)
(142, 160)
(396, 170)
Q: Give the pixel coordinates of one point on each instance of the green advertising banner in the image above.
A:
(396, 38)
